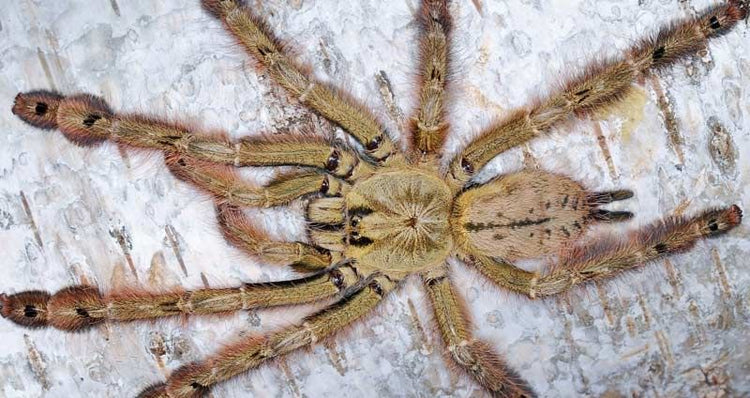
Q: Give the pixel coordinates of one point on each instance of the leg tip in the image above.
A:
(28, 309)
(719, 221)
(38, 108)
(734, 215)
(4, 305)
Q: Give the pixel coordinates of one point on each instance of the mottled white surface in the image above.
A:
(687, 338)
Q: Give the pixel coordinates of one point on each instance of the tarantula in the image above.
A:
(377, 213)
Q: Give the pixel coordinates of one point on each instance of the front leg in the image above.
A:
(87, 120)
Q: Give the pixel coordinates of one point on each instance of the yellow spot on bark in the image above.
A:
(630, 111)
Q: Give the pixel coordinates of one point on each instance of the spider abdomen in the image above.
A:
(522, 215)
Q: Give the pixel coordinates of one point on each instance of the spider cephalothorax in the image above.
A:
(377, 214)
(407, 205)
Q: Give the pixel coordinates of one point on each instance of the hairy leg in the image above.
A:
(195, 380)
(473, 356)
(238, 230)
(429, 126)
(599, 87)
(79, 307)
(226, 187)
(88, 120)
(252, 34)
(606, 258)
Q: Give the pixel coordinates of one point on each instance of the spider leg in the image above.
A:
(255, 37)
(606, 258)
(76, 308)
(238, 230)
(227, 187)
(194, 380)
(599, 87)
(88, 120)
(473, 356)
(428, 125)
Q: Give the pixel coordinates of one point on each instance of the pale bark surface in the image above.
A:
(114, 218)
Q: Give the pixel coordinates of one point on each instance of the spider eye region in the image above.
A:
(395, 222)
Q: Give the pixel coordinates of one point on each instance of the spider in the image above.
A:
(377, 213)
